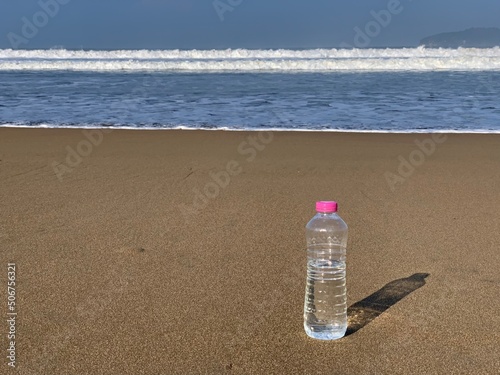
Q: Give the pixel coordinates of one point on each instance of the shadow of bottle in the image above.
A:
(363, 312)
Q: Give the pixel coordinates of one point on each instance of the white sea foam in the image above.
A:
(403, 59)
(250, 129)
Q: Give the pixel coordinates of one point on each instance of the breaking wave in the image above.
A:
(242, 60)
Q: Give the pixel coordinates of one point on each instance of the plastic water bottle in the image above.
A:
(325, 306)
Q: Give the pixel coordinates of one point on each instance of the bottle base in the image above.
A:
(324, 332)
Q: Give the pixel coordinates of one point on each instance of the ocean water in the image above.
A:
(372, 90)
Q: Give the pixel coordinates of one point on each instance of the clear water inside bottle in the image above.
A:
(325, 307)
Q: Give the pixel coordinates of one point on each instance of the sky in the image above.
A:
(221, 24)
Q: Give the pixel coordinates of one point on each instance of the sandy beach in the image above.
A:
(183, 252)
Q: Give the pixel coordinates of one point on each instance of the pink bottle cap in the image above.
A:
(326, 206)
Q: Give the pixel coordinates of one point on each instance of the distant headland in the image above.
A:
(470, 38)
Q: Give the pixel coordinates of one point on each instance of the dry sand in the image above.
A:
(113, 279)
